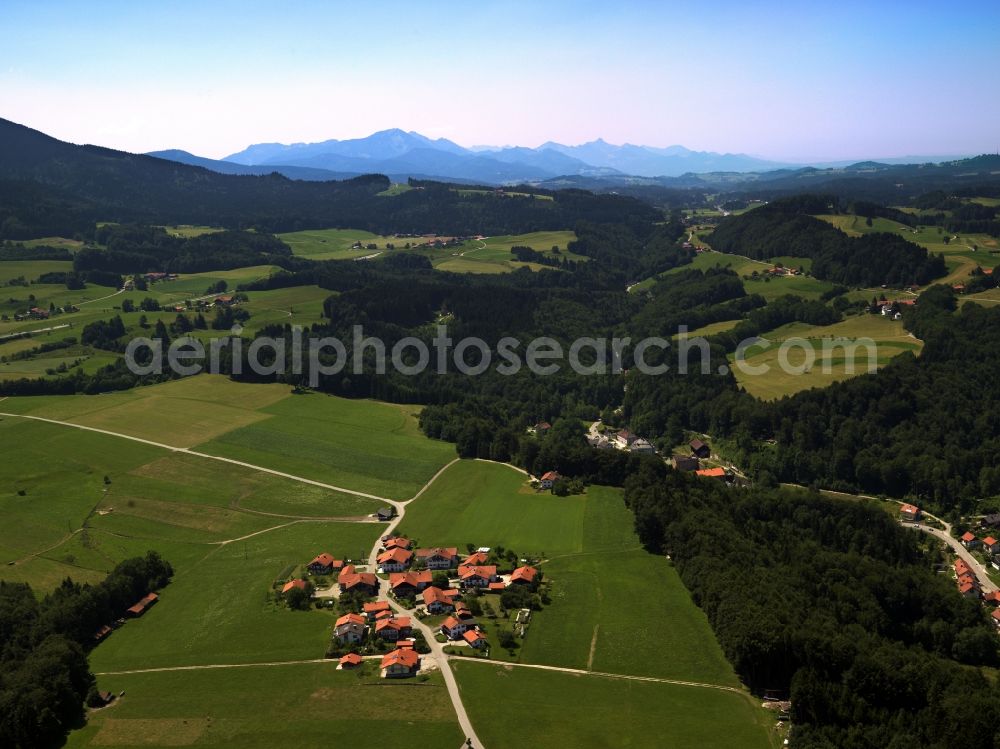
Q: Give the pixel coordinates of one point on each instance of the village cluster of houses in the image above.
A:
(622, 440)
(411, 572)
(965, 579)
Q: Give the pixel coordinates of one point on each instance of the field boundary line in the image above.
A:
(604, 674)
(166, 669)
(189, 451)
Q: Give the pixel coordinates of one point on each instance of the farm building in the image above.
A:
(351, 660)
(476, 639)
(373, 609)
(700, 449)
(439, 601)
(686, 463)
(400, 663)
(393, 628)
(324, 564)
(387, 513)
(548, 479)
(350, 628)
(394, 560)
(350, 580)
(523, 576)
(143, 605)
(453, 628)
(477, 576)
(438, 558)
(408, 584)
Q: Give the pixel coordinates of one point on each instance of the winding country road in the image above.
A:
(436, 649)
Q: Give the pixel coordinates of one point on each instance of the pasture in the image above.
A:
(601, 577)
(490, 504)
(270, 707)
(804, 286)
(492, 254)
(360, 445)
(335, 244)
(68, 521)
(591, 712)
(831, 347)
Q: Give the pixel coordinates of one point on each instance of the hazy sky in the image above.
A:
(785, 80)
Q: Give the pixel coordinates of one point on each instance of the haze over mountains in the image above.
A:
(400, 155)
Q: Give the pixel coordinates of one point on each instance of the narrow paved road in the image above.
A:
(436, 648)
(977, 567)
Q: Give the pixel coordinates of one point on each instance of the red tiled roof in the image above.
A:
(402, 657)
(375, 607)
(449, 552)
(711, 472)
(415, 579)
(497, 586)
(300, 584)
(524, 573)
(398, 623)
(350, 619)
(436, 595)
(908, 509)
(396, 555)
(995, 613)
(473, 636)
(398, 543)
(480, 557)
(474, 570)
(550, 476)
(324, 560)
(968, 536)
(966, 587)
(989, 540)
(351, 659)
(450, 622)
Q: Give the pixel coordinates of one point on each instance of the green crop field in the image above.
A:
(335, 244)
(492, 254)
(489, 504)
(69, 522)
(186, 230)
(769, 288)
(599, 572)
(359, 445)
(591, 712)
(277, 707)
(827, 344)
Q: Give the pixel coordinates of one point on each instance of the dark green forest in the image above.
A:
(44, 677)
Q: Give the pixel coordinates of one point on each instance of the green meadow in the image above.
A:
(492, 254)
(361, 445)
(293, 706)
(804, 286)
(572, 710)
(833, 349)
(604, 615)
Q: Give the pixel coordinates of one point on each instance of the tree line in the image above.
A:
(44, 676)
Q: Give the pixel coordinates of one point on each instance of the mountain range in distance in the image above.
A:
(400, 155)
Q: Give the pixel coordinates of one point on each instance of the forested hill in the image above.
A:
(832, 601)
(785, 227)
(88, 183)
